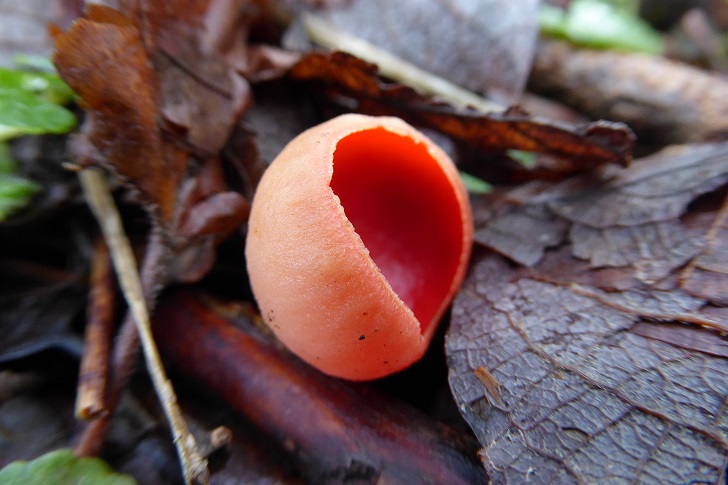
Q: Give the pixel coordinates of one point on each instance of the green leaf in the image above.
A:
(602, 24)
(43, 84)
(474, 185)
(551, 20)
(15, 193)
(29, 104)
(526, 159)
(23, 113)
(60, 467)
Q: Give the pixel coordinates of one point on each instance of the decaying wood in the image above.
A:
(336, 430)
(662, 100)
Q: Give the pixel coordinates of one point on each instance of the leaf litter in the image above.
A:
(598, 346)
(608, 367)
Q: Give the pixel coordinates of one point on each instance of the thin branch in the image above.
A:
(394, 67)
(94, 372)
(102, 204)
(125, 351)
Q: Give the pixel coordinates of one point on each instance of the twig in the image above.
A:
(94, 371)
(126, 348)
(394, 67)
(194, 466)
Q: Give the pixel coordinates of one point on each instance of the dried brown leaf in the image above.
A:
(685, 337)
(200, 91)
(107, 65)
(578, 148)
(159, 109)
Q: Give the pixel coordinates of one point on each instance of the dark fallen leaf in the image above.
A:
(686, 337)
(609, 369)
(36, 415)
(43, 262)
(278, 115)
(41, 318)
(627, 218)
(485, 46)
(662, 100)
(41, 290)
(31, 412)
(578, 148)
(704, 277)
(588, 399)
(336, 431)
(523, 234)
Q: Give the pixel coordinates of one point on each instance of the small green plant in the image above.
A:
(601, 24)
(31, 99)
(60, 467)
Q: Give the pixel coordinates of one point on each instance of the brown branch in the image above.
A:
(336, 431)
(125, 353)
(94, 371)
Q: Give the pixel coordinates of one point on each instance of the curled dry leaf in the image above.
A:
(608, 368)
(578, 148)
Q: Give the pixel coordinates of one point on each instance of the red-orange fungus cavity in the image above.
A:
(359, 236)
(406, 212)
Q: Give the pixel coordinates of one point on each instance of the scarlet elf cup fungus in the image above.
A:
(359, 237)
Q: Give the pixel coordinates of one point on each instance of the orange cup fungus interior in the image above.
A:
(395, 195)
(359, 237)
